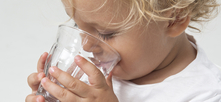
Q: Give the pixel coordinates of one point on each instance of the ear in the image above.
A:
(177, 27)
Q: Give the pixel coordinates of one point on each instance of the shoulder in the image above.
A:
(201, 72)
(200, 81)
(207, 68)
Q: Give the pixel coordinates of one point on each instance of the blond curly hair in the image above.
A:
(198, 10)
(140, 10)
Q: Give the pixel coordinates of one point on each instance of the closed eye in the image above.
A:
(106, 36)
(103, 36)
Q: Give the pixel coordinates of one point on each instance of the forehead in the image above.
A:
(102, 12)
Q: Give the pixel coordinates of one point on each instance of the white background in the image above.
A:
(28, 28)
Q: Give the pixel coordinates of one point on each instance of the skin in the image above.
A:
(148, 54)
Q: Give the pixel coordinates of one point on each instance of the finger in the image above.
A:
(74, 71)
(34, 80)
(109, 80)
(74, 85)
(96, 78)
(60, 93)
(41, 62)
(34, 98)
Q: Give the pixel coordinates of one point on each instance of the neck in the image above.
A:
(180, 56)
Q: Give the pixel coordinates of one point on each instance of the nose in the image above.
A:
(91, 44)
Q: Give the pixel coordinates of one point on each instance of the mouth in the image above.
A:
(103, 64)
(100, 63)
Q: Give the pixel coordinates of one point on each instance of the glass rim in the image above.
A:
(64, 25)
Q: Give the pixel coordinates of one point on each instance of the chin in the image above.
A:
(118, 73)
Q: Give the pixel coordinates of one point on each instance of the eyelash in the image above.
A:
(103, 36)
(106, 36)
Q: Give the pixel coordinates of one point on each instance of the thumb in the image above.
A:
(109, 80)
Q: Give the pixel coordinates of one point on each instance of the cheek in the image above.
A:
(133, 58)
(140, 55)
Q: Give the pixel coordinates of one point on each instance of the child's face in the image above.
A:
(142, 49)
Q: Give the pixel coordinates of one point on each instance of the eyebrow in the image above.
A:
(96, 24)
(104, 28)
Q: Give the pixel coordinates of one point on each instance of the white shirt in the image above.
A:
(200, 81)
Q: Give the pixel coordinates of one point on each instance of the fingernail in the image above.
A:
(43, 80)
(78, 58)
(42, 54)
(38, 99)
(40, 76)
(51, 70)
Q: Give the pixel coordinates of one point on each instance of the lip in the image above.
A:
(103, 64)
(100, 63)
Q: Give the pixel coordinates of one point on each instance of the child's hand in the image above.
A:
(99, 90)
(34, 80)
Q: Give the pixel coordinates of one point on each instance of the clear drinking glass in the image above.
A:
(70, 42)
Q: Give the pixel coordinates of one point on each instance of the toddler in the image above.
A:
(159, 61)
